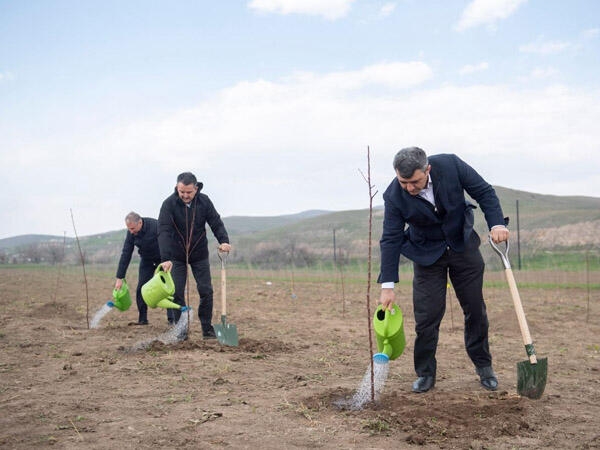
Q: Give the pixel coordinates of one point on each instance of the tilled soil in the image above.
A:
(299, 354)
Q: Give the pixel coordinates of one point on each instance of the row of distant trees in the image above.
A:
(268, 255)
(281, 254)
(35, 253)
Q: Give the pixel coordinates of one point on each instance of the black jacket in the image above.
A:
(431, 229)
(182, 228)
(147, 243)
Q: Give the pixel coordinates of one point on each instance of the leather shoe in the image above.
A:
(487, 378)
(423, 384)
(209, 333)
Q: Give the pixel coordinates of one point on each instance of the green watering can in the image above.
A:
(121, 298)
(389, 332)
(159, 290)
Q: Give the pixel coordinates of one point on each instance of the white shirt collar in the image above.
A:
(427, 192)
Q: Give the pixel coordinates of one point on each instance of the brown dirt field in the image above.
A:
(66, 386)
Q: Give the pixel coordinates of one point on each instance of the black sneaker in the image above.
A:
(209, 333)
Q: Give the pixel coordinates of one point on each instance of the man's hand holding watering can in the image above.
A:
(387, 298)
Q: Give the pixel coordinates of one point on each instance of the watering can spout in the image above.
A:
(387, 348)
(168, 303)
(110, 304)
(381, 358)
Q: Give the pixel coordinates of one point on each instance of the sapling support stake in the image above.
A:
(87, 299)
(372, 194)
(341, 269)
(59, 266)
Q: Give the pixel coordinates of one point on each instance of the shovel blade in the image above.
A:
(226, 333)
(531, 378)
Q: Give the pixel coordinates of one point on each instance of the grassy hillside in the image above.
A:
(547, 211)
(241, 225)
(308, 237)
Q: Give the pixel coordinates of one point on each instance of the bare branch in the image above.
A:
(87, 298)
(369, 262)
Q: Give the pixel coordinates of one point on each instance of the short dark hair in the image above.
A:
(410, 159)
(133, 217)
(187, 178)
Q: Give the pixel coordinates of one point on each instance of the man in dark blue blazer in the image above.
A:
(428, 220)
(142, 232)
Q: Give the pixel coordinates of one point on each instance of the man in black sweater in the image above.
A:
(182, 241)
(141, 233)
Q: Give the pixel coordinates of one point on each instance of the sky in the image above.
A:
(273, 104)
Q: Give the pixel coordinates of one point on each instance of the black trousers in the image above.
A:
(145, 274)
(429, 303)
(201, 273)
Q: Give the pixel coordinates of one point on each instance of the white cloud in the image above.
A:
(387, 9)
(541, 73)
(472, 68)
(395, 75)
(544, 47)
(6, 76)
(330, 9)
(591, 33)
(268, 147)
(487, 12)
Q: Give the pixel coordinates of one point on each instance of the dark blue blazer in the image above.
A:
(147, 243)
(432, 229)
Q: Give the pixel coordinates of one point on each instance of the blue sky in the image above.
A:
(272, 103)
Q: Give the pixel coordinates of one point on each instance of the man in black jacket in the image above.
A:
(182, 241)
(428, 196)
(141, 233)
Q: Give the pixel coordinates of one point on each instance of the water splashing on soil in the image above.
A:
(175, 333)
(103, 311)
(362, 396)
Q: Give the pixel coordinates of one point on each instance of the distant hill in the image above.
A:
(545, 222)
(29, 239)
(240, 225)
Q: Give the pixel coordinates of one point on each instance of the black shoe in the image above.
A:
(487, 378)
(209, 333)
(139, 322)
(423, 384)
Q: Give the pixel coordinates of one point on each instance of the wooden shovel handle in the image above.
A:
(223, 258)
(514, 292)
(520, 315)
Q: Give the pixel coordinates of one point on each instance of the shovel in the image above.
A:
(532, 373)
(226, 332)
